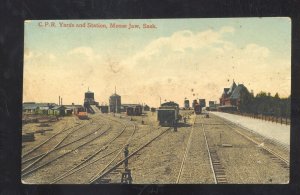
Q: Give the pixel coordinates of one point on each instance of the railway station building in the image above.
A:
(231, 97)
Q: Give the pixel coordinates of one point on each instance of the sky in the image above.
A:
(179, 58)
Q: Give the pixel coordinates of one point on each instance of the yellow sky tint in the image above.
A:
(168, 66)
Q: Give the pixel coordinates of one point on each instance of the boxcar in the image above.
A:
(104, 109)
(167, 116)
(138, 110)
(197, 109)
(134, 111)
(130, 111)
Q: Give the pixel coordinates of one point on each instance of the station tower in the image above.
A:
(115, 102)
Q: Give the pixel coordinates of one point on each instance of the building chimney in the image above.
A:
(58, 100)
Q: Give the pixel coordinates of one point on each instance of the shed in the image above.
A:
(57, 111)
(30, 108)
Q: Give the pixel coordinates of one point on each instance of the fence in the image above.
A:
(273, 119)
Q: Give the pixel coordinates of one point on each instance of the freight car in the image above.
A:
(134, 111)
(186, 104)
(82, 115)
(167, 116)
(202, 103)
(194, 103)
(104, 109)
(198, 109)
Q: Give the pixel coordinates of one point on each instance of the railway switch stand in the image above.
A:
(126, 152)
(126, 177)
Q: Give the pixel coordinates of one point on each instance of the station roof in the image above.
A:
(232, 88)
(115, 95)
(237, 91)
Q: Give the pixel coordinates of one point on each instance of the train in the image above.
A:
(134, 111)
(168, 114)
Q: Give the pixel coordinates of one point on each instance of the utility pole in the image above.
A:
(116, 99)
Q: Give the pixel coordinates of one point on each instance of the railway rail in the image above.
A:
(36, 168)
(101, 177)
(284, 146)
(85, 163)
(62, 146)
(57, 146)
(46, 141)
(273, 155)
(186, 153)
(215, 164)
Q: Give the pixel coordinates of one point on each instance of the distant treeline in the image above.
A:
(264, 103)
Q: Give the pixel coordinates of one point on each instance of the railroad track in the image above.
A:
(60, 147)
(57, 146)
(273, 155)
(111, 168)
(185, 153)
(46, 141)
(277, 158)
(56, 157)
(86, 160)
(284, 146)
(73, 129)
(218, 170)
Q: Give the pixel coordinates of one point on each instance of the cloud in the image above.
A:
(227, 29)
(166, 67)
(180, 41)
(87, 51)
(30, 55)
(257, 51)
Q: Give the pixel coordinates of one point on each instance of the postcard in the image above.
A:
(157, 101)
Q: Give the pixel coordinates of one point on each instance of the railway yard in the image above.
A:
(116, 148)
